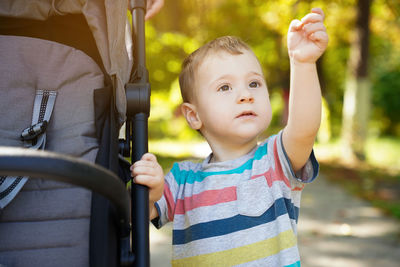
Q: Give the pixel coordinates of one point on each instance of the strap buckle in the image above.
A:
(34, 131)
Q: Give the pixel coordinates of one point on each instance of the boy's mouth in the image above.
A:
(246, 114)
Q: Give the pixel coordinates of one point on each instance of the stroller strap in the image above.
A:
(34, 137)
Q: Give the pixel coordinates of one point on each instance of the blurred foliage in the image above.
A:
(184, 25)
(386, 96)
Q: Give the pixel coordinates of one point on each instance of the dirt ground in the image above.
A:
(335, 229)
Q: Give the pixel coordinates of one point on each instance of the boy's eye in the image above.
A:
(254, 84)
(224, 88)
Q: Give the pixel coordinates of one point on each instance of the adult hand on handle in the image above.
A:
(153, 7)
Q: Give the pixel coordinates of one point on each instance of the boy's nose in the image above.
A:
(245, 97)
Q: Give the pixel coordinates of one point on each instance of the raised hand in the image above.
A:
(307, 38)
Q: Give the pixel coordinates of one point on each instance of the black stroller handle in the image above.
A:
(47, 165)
(138, 111)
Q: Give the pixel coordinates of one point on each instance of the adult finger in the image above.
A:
(153, 7)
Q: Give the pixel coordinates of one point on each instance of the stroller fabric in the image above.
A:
(34, 137)
(48, 223)
(109, 26)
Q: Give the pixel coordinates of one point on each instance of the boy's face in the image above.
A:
(231, 98)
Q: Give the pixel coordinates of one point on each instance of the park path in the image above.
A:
(335, 229)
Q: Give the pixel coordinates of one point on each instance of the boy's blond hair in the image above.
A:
(230, 44)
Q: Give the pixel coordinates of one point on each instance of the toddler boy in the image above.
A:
(241, 204)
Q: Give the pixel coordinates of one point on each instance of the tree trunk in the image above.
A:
(356, 104)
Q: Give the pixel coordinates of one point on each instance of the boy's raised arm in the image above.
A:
(307, 40)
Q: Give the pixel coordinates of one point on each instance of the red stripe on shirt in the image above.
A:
(278, 167)
(277, 174)
(228, 194)
(206, 198)
(299, 188)
(170, 202)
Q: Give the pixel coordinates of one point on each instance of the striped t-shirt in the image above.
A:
(242, 211)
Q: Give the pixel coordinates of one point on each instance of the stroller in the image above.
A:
(70, 75)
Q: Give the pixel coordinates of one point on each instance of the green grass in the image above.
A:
(382, 153)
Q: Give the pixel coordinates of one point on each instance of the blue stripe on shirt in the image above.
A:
(235, 223)
(189, 176)
(296, 264)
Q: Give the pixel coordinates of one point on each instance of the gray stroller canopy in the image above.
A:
(108, 23)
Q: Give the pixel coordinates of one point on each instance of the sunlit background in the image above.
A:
(371, 171)
(184, 25)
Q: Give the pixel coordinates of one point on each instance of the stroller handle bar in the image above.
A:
(54, 166)
(138, 110)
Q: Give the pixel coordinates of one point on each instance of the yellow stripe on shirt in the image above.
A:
(240, 255)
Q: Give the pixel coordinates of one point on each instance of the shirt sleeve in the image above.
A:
(306, 175)
(166, 205)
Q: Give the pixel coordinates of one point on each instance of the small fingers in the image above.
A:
(295, 25)
(147, 180)
(318, 11)
(142, 169)
(149, 157)
(147, 175)
(312, 18)
(147, 166)
(311, 28)
(320, 37)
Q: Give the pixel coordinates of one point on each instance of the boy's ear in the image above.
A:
(189, 111)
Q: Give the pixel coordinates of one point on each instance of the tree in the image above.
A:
(356, 105)
(184, 25)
